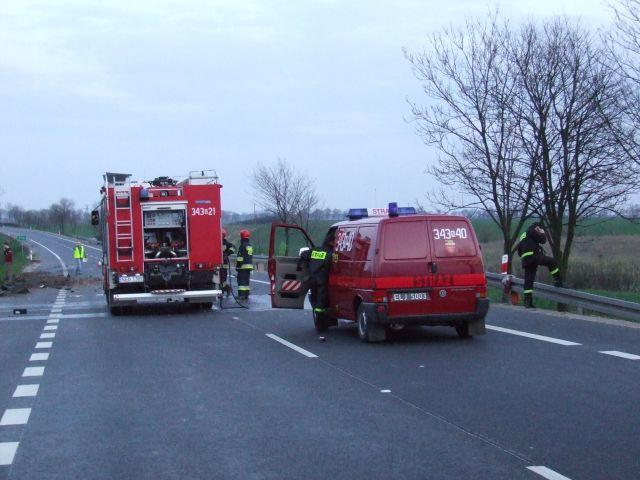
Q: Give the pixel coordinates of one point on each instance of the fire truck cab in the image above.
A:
(161, 240)
(391, 267)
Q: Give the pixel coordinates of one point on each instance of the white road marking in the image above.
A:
(60, 237)
(65, 272)
(84, 315)
(33, 372)
(55, 315)
(50, 327)
(236, 318)
(260, 281)
(532, 335)
(56, 310)
(58, 305)
(615, 353)
(44, 344)
(547, 473)
(15, 416)
(48, 335)
(39, 357)
(26, 390)
(385, 391)
(53, 320)
(7, 452)
(298, 349)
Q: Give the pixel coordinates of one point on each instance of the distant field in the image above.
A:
(603, 254)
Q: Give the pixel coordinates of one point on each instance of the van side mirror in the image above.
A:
(95, 217)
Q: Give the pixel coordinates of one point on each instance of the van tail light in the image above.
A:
(380, 297)
(481, 292)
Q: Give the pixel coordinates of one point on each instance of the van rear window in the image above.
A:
(452, 238)
(405, 240)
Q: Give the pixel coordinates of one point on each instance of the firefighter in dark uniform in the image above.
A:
(532, 255)
(318, 261)
(244, 265)
(228, 248)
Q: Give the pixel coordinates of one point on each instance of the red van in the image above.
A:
(391, 268)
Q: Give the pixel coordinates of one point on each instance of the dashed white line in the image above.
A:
(532, 335)
(44, 344)
(298, 349)
(65, 272)
(39, 357)
(615, 353)
(26, 390)
(33, 372)
(385, 391)
(547, 473)
(51, 327)
(53, 320)
(15, 416)
(56, 310)
(8, 452)
(47, 335)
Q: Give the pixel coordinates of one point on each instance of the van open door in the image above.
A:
(288, 285)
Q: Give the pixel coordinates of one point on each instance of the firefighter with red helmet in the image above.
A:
(228, 249)
(244, 264)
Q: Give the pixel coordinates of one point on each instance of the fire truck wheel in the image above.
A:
(206, 306)
(463, 330)
(367, 331)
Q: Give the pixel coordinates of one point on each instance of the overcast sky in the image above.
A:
(163, 87)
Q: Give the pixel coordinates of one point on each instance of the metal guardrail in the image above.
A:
(582, 300)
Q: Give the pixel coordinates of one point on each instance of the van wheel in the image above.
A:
(116, 311)
(367, 331)
(463, 330)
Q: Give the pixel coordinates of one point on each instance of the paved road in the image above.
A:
(253, 393)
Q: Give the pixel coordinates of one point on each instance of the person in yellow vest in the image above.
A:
(79, 256)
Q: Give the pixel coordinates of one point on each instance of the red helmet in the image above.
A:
(224, 233)
(245, 233)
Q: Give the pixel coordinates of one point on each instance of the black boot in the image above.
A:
(528, 300)
(557, 281)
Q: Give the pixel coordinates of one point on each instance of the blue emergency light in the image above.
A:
(395, 210)
(357, 213)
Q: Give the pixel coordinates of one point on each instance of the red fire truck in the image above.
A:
(161, 240)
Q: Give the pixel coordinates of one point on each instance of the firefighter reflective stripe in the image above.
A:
(523, 236)
(239, 259)
(527, 291)
(243, 289)
(247, 266)
(526, 254)
(249, 250)
(319, 310)
(554, 271)
(318, 255)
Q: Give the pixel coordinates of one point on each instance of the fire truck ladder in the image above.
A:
(123, 218)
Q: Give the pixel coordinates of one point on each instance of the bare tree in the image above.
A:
(63, 213)
(282, 191)
(473, 121)
(623, 45)
(569, 103)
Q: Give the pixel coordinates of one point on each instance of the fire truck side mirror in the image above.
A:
(95, 217)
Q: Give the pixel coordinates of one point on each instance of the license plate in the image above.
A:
(409, 296)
